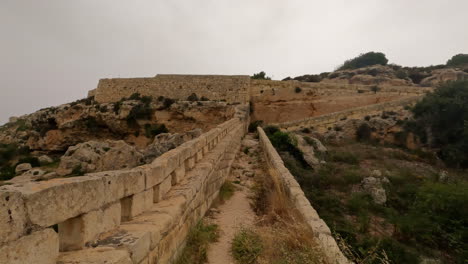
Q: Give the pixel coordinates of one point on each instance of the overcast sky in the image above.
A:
(54, 51)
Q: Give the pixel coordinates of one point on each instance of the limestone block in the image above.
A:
(199, 156)
(155, 231)
(162, 221)
(123, 183)
(154, 172)
(76, 232)
(175, 207)
(190, 163)
(178, 174)
(137, 243)
(172, 162)
(136, 204)
(41, 247)
(159, 191)
(54, 201)
(12, 216)
(106, 255)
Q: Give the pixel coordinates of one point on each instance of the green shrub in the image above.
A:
(246, 246)
(193, 97)
(199, 238)
(152, 130)
(344, 157)
(352, 177)
(359, 202)
(363, 132)
(77, 171)
(139, 112)
(29, 159)
(226, 191)
(253, 125)
(401, 74)
(364, 60)
(167, 102)
(298, 90)
(270, 130)
(117, 106)
(260, 76)
(444, 113)
(457, 60)
(375, 88)
(7, 173)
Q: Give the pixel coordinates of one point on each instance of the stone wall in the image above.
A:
(294, 192)
(263, 88)
(323, 122)
(139, 215)
(233, 89)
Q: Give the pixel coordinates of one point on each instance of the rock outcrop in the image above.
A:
(373, 75)
(374, 187)
(94, 156)
(444, 75)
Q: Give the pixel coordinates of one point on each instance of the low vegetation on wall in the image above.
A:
(383, 204)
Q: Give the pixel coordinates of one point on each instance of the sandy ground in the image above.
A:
(235, 213)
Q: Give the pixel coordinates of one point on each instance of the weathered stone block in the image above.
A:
(106, 255)
(190, 163)
(12, 216)
(76, 232)
(154, 172)
(137, 243)
(54, 201)
(136, 204)
(178, 175)
(159, 191)
(41, 247)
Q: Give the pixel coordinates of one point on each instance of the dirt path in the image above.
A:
(235, 212)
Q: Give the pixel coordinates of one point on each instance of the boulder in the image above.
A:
(167, 141)
(374, 187)
(44, 159)
(94, 156)
(307, 151)
(23, 167)
(444, 75)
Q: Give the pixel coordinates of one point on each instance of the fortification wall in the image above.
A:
(139, 215)
(232, 89)
(323, 122)
(264, 89)
(294, 192)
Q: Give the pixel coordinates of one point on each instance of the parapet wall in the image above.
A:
(298, 199)
(139, 215)
(321, 123)
(232, 89)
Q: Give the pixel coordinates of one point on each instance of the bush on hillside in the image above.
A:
(260, 76)
(457, 60)
(443, 116)
(364, 60)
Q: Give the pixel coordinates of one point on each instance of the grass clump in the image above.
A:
(343, 157)
(199, 238)
(226, 191)
(246, 246)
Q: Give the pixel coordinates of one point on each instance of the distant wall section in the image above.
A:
(231, 88)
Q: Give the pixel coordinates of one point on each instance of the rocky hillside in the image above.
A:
(85, 136)
(368, 71)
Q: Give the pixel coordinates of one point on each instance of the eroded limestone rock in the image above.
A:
(99, 156)
(374, 187)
